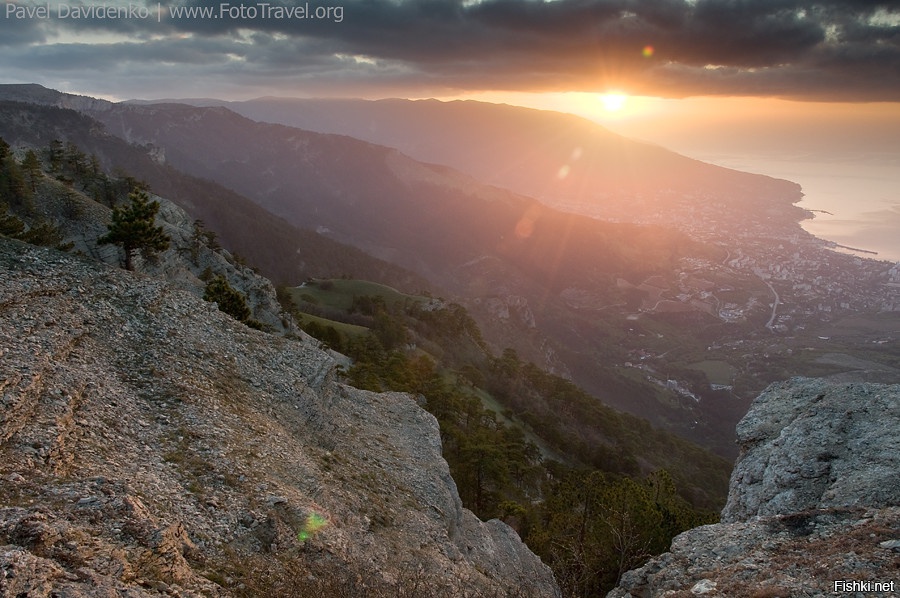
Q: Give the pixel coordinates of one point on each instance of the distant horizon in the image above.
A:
(846, 156)
(828, 148)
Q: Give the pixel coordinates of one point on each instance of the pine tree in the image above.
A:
(56, 155)
(45, 234)
(13, 189)
(132, 228)
(32, 167)
(10, 224)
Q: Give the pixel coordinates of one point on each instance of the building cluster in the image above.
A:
(811, 277)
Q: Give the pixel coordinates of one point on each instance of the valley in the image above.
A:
(580, 167)
(688, 278)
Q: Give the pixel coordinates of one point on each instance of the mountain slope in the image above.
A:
(150, 443)
(428, 218)
(558, 158)
(507, 472)
(242, 226)
(523, 269)
(482, 243)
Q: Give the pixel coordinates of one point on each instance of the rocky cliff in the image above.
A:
(151, 445)
(814, 498)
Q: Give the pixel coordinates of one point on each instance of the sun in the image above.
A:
(613, 101)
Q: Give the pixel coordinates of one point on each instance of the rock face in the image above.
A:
(807, 444)
(188, 258)
(814, 498)
(150, 445)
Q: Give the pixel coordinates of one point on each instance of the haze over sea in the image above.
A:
(856, 199)
(846, 157)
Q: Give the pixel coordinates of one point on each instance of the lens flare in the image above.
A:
(647, 51)
(313, 524)
(526, 224)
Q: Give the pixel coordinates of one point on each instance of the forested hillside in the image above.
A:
(593, 491)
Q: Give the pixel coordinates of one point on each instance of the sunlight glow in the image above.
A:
(583, 103)
(613, 102)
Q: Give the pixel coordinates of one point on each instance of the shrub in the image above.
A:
(229, 300)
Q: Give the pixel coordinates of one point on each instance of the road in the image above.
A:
(774, 305)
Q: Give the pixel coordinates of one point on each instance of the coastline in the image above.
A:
(856, 249)
(852, 207)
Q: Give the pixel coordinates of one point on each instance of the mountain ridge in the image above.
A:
(476, 241)
(559, 158)
(70, 176)
(238, 227)
(600, 303)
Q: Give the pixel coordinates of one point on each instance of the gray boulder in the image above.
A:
(808, 444)
(814, 498)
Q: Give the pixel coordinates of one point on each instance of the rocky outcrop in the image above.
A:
(814, 498)
(189, 259)
(193, 254)
(151, 445)
(512, 307)
(808, 444)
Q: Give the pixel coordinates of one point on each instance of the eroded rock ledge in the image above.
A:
(814, 498)
(150, 445)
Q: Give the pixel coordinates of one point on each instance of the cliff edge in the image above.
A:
(150, 445)
(814, 499)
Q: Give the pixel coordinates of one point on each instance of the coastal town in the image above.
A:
(791, 275)
(805, 277)
(768, 300)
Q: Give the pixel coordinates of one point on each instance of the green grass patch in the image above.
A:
(338, 293)
(717, 372)
(351, 330)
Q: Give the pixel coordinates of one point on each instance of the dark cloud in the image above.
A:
(19, 32)
(822, 49)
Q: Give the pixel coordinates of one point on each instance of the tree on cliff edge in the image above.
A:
(132, 228)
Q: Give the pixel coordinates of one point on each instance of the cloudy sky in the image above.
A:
(805, 90)
(821, 50)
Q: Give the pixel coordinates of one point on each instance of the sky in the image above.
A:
(730, 81)
(820, 50)
(685, 70)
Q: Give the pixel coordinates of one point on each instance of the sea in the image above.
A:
(855, 199)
